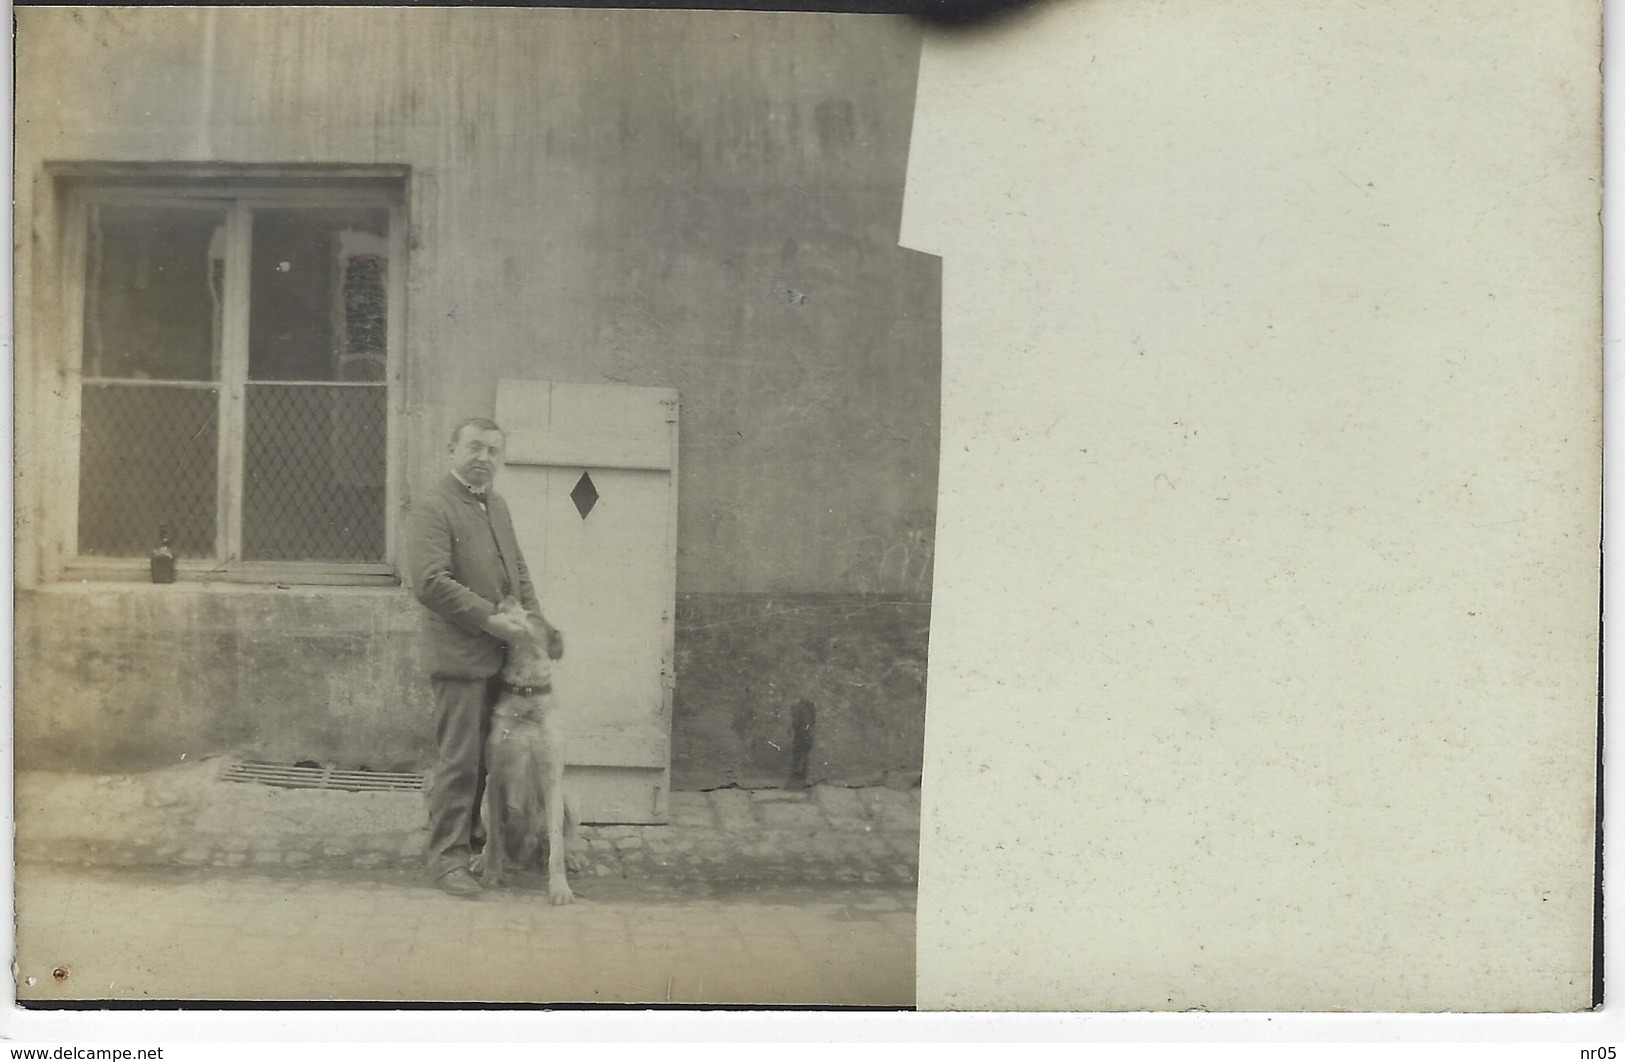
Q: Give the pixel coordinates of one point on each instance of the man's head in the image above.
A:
(476, 451)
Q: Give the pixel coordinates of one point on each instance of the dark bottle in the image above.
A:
(163, 558)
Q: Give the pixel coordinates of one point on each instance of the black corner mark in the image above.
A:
(963, 14)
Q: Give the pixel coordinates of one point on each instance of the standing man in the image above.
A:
(465, 560)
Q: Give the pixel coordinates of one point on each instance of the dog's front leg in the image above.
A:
(558, 883)
(496, 839)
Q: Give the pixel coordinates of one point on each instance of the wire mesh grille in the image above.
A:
(147, 456)
(314, 472)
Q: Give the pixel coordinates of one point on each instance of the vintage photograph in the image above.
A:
(476, 491)
(1094, 512)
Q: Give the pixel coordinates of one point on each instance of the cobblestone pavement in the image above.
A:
(192, 818)
(180, 885)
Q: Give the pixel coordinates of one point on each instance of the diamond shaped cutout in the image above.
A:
(585, 495)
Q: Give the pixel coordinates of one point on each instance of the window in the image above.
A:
(236, 370)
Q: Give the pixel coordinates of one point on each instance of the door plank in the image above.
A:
(649, 450)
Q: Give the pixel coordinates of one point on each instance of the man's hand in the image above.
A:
(506, 627)
(555, 643)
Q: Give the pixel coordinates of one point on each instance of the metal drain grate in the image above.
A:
(325, 778)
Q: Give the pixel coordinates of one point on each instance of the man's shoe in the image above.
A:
(458, 882)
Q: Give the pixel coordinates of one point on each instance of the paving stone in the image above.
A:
(267, 857)
(683, 800)
(733, 809)
(385, 843)
(839, 802)
(879, 796)
(900, 819)
(791, 816)
(626, 843)
(693, 817)
(294, 859)
(906, 845)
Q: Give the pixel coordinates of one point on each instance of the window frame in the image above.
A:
(238, 191)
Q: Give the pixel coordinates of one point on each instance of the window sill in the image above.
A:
(133, 573)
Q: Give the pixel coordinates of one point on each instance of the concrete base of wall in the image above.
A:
(745, 662)
(126, 677)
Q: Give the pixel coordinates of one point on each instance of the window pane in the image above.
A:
(154, 279)
(317, 302)
(147, 457)
(314, 473)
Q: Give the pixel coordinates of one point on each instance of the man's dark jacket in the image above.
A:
(465, 559)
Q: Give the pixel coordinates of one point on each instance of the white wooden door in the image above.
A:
(591, 480)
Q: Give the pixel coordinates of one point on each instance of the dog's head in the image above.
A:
(543, 636)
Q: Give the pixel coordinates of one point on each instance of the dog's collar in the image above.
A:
(525, 691)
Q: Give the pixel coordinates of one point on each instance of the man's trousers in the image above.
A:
(462, 721)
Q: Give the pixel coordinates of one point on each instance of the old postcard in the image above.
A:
(1132, 469)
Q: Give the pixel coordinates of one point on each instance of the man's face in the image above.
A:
(477, 455)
